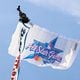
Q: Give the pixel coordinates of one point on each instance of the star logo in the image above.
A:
(45, 52)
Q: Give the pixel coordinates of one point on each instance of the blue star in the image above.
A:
(52, 46)
(46, 47)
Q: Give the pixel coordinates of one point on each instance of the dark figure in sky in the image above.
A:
(23, 17)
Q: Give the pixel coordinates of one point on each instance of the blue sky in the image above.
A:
(60, 16)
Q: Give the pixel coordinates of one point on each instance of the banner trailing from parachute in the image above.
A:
(40, 47)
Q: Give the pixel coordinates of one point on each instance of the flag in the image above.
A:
(43, 48)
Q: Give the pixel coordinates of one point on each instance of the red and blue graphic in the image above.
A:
(45, 52)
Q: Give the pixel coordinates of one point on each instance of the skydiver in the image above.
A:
(23, 17)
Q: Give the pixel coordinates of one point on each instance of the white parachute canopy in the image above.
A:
(43, 48)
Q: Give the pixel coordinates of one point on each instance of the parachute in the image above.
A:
(40, 47)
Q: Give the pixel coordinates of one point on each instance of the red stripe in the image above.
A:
(15, 68)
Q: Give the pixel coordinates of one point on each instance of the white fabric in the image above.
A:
(69, 47)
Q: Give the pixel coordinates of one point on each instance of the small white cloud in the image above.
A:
(70, 6)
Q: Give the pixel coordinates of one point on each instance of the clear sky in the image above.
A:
(60, 16)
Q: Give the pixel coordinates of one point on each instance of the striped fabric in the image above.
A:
(14, 75)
